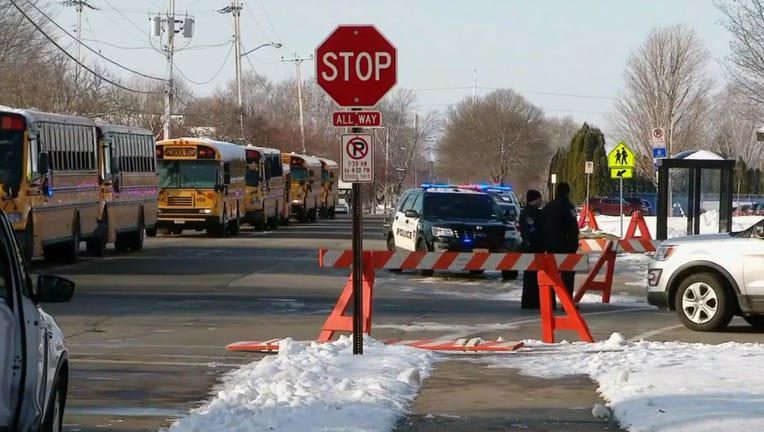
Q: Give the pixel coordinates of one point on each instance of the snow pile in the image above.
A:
(677, 226)
(661, 386)
(312, 386)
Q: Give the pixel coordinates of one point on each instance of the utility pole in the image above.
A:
(79, 6)
(170, 21)
(235, 9)
(170, 52)
(297, 61)
(474, 81)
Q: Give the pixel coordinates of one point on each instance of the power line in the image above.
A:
(142, 30)
(121, 46)
(87, 46)
(37, 27)
(262, 30)
(213, 77)
(270, 23)
(424, 89)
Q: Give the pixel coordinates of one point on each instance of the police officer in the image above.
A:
(531, 229)
(561, 230)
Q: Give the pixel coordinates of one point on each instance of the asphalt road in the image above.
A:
(147, 331)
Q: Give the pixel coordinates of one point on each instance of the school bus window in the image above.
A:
(299, 173)
(11, 149)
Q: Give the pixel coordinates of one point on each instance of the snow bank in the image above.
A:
(312, 386)
(677, 226)
(661, 386)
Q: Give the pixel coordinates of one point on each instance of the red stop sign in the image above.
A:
(356, 65)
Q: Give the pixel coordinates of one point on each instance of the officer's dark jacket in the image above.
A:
(560, 226)
(531, 228)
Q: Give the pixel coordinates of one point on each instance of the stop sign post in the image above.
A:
(356, 66)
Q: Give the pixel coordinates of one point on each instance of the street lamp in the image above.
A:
(238, 79)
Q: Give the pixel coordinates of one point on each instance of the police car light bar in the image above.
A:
(436, 185)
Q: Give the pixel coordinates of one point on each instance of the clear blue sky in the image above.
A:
(537, 47)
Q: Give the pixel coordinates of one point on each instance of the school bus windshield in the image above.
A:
(324, 176)
(252, 177)
(187, 174)
(10, 163)
(299, 174)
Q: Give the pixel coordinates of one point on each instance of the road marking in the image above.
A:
(76, 361)
(652, 333)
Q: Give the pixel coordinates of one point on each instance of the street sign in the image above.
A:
(357, 119)
(589, 167)
(658, 137)
(356, 65)
(357, 158)
(659, 152)
(621, 157)
(621, 173)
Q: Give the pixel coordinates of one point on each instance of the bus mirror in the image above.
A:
(115, 168)
(43, 163)
(227, 178)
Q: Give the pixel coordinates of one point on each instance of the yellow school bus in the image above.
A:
(265, 187)
(286, 210)
(49, 181)
(329, 184)
(201, 185)
(305, 185)
(129, 188)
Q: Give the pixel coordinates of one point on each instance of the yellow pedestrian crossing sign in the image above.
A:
(620, 157)
(621, 173)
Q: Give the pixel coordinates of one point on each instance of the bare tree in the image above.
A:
(745, 66)
(667, 85)
(500, 136)
(735, 118)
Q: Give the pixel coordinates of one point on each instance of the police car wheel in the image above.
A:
(422, 247)
(509, 274)
(391, 248)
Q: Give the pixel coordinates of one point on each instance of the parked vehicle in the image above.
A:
(637, 202)
(709, 278)
(612, 206)
(34, 358)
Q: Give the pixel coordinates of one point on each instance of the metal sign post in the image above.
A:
(588, 170)
(357, 272)
(356, 66)
(554, 184)
(621, 204)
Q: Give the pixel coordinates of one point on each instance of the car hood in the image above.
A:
(698, 238)
(468, 222)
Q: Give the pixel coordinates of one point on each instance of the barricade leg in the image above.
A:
(338, 320)
(549, 279)
(606, 285)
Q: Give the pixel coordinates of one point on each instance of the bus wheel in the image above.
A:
(332, 213)
(313, 215)
(96, 246)
(273, 222)
(234, 226)
(70, 251)
(151, 232)
(285, 220)
(136, 238)
(302, 215)
(27, 242)
(221, 230)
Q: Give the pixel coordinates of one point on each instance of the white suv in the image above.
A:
(709, 278)
(34, 360)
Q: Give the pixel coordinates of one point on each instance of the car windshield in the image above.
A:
(188, 174)
(460, 206)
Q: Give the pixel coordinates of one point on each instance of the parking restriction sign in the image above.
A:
(357, 158)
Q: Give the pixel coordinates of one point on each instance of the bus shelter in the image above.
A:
(695, 190)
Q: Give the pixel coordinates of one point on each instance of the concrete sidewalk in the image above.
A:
(465, 396)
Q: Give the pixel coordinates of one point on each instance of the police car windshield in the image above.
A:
(460, 206)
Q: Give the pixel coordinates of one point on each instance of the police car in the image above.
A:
(441, 218)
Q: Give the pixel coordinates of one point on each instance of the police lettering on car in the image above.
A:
(446, 218)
